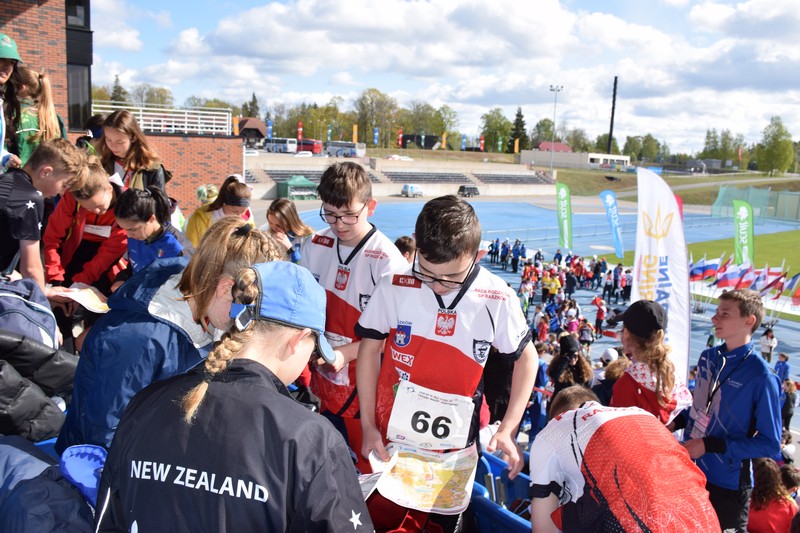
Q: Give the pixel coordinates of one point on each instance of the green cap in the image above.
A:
(8, 48)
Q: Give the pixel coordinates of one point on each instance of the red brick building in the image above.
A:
(56, 35)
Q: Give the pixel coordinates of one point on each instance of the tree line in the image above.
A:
(775, 153)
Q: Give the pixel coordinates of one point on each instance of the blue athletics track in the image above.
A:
(534, 223)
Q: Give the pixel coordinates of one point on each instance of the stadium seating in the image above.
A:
(426, 177)
(491, 517)
(537, 178)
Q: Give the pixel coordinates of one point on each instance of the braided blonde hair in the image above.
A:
(228, 246)
(267, 335)
(245, 291)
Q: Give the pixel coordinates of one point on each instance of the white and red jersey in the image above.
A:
(436, 347)
(637, 388)
(348, 285)
(618, 470)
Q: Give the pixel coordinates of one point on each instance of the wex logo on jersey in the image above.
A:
(480, 350)
(363, 300)
(402, 335)
(445, 323)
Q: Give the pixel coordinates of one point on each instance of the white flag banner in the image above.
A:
(661, 270)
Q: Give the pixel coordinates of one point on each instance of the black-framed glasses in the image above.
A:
(446, 283)
(346, 219)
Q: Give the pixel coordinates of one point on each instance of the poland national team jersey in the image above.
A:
(618, 469)
(439, 348)
(348, 286)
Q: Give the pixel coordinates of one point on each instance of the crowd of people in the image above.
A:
(246, 372)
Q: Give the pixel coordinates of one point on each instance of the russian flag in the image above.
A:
(760, 281)
(724, 268)
(748, 277)
(711, 267)
(696, 272)
(729, 277)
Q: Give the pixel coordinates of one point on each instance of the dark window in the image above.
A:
(78, 13)
(79, 95)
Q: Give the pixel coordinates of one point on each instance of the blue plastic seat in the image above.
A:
(49, 447)
(490, 517)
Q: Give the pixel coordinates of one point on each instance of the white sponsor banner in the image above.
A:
(661, 270)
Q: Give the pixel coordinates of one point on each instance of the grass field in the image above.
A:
(770, 249)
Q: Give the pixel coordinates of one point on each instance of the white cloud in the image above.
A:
(103, 72)
(189, 43)
(713, 65)
(342, 78)
(111, 30)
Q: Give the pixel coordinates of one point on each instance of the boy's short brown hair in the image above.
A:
(571, 398)
(749, 303)
(63, 157)
(341, 183)
(447, 228)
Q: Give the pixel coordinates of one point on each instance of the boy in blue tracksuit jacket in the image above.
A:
(736, 412)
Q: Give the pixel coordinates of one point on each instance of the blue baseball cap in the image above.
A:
(287, 294)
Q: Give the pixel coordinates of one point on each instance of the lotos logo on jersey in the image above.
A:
(403, 358)
(324, 241)
(342, 275)
(363, 300)
(402, 335)
(406, 281)
(160, 252)
(445, 323)
(480, 350)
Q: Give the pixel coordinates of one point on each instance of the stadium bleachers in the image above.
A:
(537, 178)
(255, 175)
(279, 176)
(426, 177)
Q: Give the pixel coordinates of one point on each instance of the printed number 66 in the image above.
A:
(439, 428)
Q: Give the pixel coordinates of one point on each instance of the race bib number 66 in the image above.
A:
(429, 419)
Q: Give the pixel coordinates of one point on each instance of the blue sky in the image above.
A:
(683, 66)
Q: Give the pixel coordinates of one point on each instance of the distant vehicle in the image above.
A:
(396, 157)
(309, 145)
(304, 153)
(279, 145)
(345, 149)
(250, 152)
(411, 190)
(468, 191)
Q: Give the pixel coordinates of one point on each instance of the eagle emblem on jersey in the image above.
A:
(402, 335)
(363, 300)
(480, 350)
(342, 275)
(445, 323)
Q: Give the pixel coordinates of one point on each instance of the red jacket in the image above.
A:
(64, 233)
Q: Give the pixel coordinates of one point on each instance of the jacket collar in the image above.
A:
(240, 369)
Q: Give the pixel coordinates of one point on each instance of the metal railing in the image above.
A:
(166, 119)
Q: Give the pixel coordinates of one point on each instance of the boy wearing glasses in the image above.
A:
(347, 259)
(438, 319)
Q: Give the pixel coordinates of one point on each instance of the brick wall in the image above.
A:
(39, 29)
(196, 160)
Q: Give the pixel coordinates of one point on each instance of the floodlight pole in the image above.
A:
(554, 89)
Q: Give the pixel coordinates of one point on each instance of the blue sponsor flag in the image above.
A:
(269, 129)
(375, 136)
(612, 212)
(463, 141)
